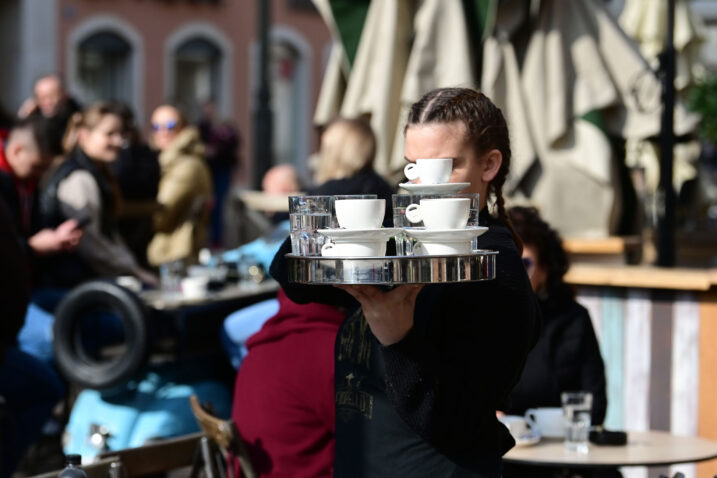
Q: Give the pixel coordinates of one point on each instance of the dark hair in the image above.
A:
(129, 123)
(40, 128)
(486, 129)
(547, 244)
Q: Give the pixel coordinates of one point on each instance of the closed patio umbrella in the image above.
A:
(565, 74)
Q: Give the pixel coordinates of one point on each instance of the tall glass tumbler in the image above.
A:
(473, 219)
(307, 214)
(404, 244)
(577, 407)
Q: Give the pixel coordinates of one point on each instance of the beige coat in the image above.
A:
(185, 199)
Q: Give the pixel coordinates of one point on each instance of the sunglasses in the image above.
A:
(169, 126)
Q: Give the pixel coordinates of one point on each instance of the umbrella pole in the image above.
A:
(262, 115)
(666, 193)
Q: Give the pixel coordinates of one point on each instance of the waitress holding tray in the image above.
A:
(422, 369)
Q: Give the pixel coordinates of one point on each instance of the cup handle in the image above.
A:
(531, 421)
(326, 249)
(411, 171)
(413, 213)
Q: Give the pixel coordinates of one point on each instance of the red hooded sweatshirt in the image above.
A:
(284, 392)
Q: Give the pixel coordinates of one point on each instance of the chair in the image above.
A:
(152, 458)
(103, 468)
(155, 457)
(224, 435)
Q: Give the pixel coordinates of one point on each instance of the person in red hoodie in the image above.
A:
(284, 392)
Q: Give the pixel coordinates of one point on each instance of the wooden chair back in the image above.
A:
(224, 434)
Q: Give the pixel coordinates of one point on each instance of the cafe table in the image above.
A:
(233, 295)
(154, 327)
(650, 448)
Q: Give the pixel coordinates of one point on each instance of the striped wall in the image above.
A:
(660, 353)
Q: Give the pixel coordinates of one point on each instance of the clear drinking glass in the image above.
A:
(576, 412)
(307, 214)
(404, 244)
(170, 279)
(473, 219)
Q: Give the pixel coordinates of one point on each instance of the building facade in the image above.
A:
(145, 52)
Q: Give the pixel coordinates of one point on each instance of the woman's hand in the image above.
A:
(389, 314)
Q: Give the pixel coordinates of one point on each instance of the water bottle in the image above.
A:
(72, 468)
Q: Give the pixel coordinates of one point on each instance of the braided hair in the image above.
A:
(486, 129)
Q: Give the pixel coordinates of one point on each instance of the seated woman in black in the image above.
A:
(567, 356)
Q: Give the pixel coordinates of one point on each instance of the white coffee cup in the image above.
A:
(423, 248)
(194, 287)
(130, 282)
(443, 213)
(430, 170)
(360, 213)
(354, 249)
(516, 425)
(547, 421)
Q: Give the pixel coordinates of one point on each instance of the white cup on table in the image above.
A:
(548, 421)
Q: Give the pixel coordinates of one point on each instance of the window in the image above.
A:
(286, 95)
(197, 65)
(104, 68)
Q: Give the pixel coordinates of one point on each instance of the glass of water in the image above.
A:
(576, 412)
(170, 279)
(404, 244)
(473, 219)
(307, 214)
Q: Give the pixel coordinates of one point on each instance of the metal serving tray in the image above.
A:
(390, 270)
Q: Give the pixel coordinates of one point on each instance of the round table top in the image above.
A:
(651, 448)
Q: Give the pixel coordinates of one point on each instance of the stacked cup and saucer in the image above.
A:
(436, 219)
(358, 233)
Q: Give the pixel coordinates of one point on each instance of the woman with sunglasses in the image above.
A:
(421, 370)
(567, 356)
(185, 189)
(83, 188)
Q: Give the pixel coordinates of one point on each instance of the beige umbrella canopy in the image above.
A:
(580, 80)
(646, 22)
(406, 48)
(564, 73)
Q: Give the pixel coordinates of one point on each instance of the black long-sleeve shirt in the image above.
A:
(426, 405)
(565, 358)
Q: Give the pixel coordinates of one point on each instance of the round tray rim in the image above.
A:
(393, 270)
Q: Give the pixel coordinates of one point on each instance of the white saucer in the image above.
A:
(354, 235)
(445, 235)
(528, 440)
(444, 188)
